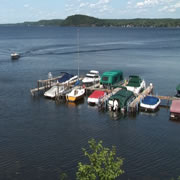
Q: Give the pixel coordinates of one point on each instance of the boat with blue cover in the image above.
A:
(66, 77)
(150, 103)
(59, 89)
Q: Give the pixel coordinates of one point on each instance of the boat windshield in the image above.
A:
(91, 76)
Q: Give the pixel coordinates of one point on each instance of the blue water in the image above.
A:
(40, 139)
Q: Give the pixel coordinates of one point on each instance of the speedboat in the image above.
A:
(15, 56)
(76, 94)
(96, 97)
(135, 84)
(66, 78)
(60, 88)
(91, 77)
(150, 103)
(53, 91)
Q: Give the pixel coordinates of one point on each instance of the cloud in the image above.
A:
(83, 5)
(171, 8)
(26, 5)
(146, 3)
(152, 3)
(89, 7)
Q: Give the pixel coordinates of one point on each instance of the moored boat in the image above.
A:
(95, 97)
(175, 110)
(59, 89)
(15, 56)
(121, 100)
(135, 84)
(66, 78)
(91, 78)
(110, 78)
(76, 94)
(150, 103)
(53, 91)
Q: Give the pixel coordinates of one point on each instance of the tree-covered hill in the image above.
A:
(83, 20)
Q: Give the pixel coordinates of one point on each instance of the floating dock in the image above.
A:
(43, 85)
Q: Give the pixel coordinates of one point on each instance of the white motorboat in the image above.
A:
(91, 77)
(76, 94)
(150, 103)
(136, 84)
(55, 90)
(15, 56)
(96, 97)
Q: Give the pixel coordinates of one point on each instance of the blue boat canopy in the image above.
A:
(65, 77)
(150, 100)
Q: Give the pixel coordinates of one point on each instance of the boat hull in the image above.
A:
(14, 57)
(150, 108)
(75, 95)
(93, 101)
(73, 99)
(175, 116)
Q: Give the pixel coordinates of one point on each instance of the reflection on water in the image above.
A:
(76, 103)
(44, 136)
(148, 113)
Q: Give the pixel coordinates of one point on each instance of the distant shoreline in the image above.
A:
(88, 21)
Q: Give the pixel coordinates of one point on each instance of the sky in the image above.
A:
(14, 11)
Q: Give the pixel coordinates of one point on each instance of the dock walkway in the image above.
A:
(48, 83)
(134, 105)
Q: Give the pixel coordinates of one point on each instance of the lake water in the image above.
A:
(40, 139)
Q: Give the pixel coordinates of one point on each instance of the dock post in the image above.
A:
(38, 85)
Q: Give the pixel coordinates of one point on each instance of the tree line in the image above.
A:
(88, 21)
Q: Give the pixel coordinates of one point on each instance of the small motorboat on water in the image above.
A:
(76, 94)
(150, 103)
(175, 110)
(96, 97)
(91, 78)
(55, 90)
(135, 84)
(15, 56)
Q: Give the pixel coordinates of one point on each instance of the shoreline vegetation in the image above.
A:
(88, 21)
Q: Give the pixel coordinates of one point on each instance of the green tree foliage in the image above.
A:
(102, 164)
(82, 20)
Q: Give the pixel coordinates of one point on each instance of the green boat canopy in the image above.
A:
(111, 77)
(134, 81)
(178, 87)
(122, 97)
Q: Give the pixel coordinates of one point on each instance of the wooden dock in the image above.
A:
(110, 93)
(96, 87)
(46, 84)
(169, 98)
(43, 85)
(134, 105)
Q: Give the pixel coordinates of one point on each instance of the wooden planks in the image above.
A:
(135, 103)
